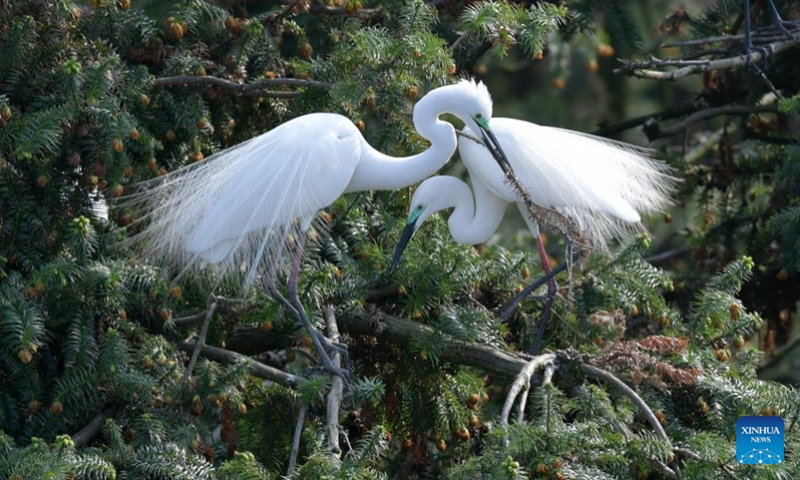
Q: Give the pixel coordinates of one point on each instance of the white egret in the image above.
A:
(242, 208)
(600, 185)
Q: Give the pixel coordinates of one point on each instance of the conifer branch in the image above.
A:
(392, 329)
(256, 89)
(257, 369)
(608, 377)
(645, 409)
(337, 387)
(317, 7)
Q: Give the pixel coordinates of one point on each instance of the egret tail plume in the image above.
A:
(237, 209)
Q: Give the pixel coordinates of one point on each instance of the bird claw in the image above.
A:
(334, 348)
(342, 373)
(777, 24)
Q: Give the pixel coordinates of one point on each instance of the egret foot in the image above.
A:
(322, 344)
(335, 348)
(777, 23)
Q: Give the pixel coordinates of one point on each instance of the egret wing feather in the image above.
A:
(603, 186)
(236, 209)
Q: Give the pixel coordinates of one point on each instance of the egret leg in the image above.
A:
(321, 343)
(777, 21)
(296, 308)
(508, 308)
(552, 286)
(552, 289)
(329, 345)
(748, 37)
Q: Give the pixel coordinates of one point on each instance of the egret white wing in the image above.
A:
(601, 185)
(236, 208)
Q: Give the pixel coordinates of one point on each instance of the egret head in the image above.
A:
(470, 101)
(430, 197)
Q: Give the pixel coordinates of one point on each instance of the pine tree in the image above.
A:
(99, 376)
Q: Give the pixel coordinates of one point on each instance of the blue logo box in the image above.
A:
(759, 440)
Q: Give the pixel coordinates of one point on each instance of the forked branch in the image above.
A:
(522, 384)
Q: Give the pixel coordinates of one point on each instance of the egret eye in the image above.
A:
(478, 115)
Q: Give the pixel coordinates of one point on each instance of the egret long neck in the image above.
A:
(377, 171)
(474, 221)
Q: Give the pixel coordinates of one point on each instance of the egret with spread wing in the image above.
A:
(600, 185)
(243, 208)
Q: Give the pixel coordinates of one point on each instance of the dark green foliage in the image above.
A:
(96, 98)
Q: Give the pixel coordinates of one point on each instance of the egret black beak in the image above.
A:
(494, 147)
(408, 232)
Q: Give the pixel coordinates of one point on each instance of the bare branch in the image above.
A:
(337, 387)
(523, 381)
(401, 330)
(190, 320)
(224, 305)
(665, 256)
(759, 36)
(381, 293)
(330, 10)
(672, 112)
(547, 377)
(87, 433)
(663, 468)
(458, 41)
(298, 431)
(257, 369)
(395, 329)
(608, 377)
(256, 89)
(470, 137)
(201, 339)
(690, 67)
(654, 131)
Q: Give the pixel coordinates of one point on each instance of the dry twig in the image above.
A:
(201, 339)
(335, 395)
(257, 369)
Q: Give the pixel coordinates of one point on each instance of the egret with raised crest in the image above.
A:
(600, 185)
